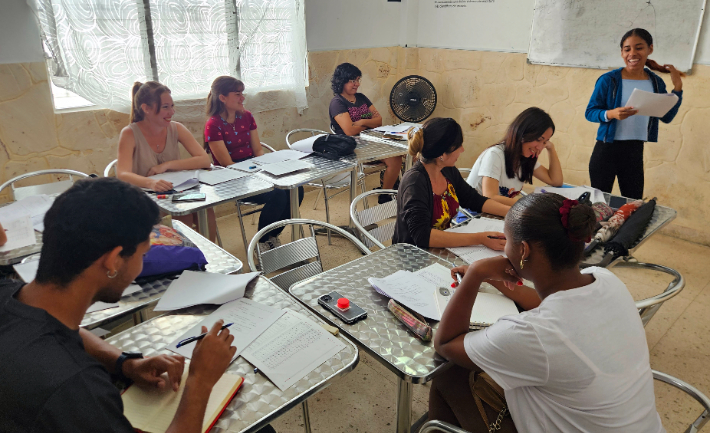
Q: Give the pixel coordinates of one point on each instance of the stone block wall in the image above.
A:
(483, 91)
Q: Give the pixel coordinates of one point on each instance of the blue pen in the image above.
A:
(542, 190)
(199, 337)
(252, 167)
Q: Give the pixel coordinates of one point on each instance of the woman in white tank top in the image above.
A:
(149, 144)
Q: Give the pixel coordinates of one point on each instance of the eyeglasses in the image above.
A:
(355, 81)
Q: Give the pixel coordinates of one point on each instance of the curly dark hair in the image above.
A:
(344, 72)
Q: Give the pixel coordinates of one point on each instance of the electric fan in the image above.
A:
(413, 99)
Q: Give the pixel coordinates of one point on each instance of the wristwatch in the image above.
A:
(121, 359)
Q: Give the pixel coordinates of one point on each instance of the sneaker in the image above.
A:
(264, 246)
(274, 241)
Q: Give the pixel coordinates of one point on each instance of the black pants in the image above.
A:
(621, 159)
(277, 207)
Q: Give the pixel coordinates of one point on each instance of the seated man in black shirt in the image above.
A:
(55, 376)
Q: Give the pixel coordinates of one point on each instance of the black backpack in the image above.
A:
(333, 146)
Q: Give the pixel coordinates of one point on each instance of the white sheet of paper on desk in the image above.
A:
(213, 177)
(27, 271)
(248, 166)
(250, 319)
(395, 129)
(652, 104)
(100, 306)
(181, 180)
(574, 192)
(436, 274)
(473, 253)
(306, 145)
(133, 288)
(279, 156)
(285, 167)
(35, 206)
(195, 288)
(291, 348)
(411, 291)
(19, 233)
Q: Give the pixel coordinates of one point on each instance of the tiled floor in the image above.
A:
(364, 400)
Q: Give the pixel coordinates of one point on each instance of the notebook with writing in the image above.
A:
(488, 308)
(152, 411)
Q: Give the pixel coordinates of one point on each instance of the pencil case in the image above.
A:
(419, 327)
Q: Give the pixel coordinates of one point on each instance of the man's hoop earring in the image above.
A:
(108, 274)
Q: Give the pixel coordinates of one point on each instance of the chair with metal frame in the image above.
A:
(699, 423)
(341, 183)
(46, 188)
(367, 168)
(110, 167)
(293, 253)
(366, 221)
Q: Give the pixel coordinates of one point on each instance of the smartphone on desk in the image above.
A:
(350, 315)
(189, 196)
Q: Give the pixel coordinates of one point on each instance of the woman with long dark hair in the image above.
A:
(231, 136)
(352, 112)
(502, 169)
(618, 152)
(576, 360)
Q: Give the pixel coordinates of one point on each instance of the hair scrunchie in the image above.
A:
(567, 206)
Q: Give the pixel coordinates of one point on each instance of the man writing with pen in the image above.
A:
(56, 375)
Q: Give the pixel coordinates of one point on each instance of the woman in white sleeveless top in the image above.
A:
(149, 144)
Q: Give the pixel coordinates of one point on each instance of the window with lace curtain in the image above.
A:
(98, 48)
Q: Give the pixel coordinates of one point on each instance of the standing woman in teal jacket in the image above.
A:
(622, 133)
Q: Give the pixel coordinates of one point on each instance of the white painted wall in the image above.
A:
(19, 35)
(348, 24)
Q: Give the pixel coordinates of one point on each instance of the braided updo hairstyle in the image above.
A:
(536, 219)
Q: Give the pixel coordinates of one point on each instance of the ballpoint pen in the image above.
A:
(199, 337)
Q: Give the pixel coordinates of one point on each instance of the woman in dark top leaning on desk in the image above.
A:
(432, 190)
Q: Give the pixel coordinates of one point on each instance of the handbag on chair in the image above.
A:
(486, 390)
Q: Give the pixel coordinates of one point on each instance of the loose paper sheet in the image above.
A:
(574, 192)
(279, 156)
(250, 319)
(651, 104)
(35, 206)
(27, 271)
(214, 177)
(396, 129)
(291, 348)
(411, 291)
(281, 168)
(247, 166)
(181, 180)
(19, 233)
(195, 288)
(473, 253)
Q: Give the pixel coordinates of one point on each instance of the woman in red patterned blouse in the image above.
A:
(231, 136)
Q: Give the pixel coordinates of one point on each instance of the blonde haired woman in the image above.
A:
(432, 191)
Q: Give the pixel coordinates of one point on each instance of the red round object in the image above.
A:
(343, 303)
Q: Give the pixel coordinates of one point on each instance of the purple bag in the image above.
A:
(170, 259)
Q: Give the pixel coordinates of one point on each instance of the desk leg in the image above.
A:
(202, 225)
(306, 417)
(295, 212)
(404, 406)
(353, 187)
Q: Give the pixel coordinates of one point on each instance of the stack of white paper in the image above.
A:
(473, 253)
(181, 180)
(291, 348)
(279, 156)
(409, 290)
(397, 129)
(249, 320)
(574, 192)
(195, 288)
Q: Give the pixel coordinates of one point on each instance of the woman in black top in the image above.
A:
(352, 112)
(431, 192)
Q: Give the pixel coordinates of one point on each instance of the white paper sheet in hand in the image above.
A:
(291, 348)
(195, 288)
(19, 233)
(651, 104)
(216, 176)
(409, 290)
(250, 319)
(281, 168)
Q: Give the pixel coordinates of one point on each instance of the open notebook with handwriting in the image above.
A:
(152, 411)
